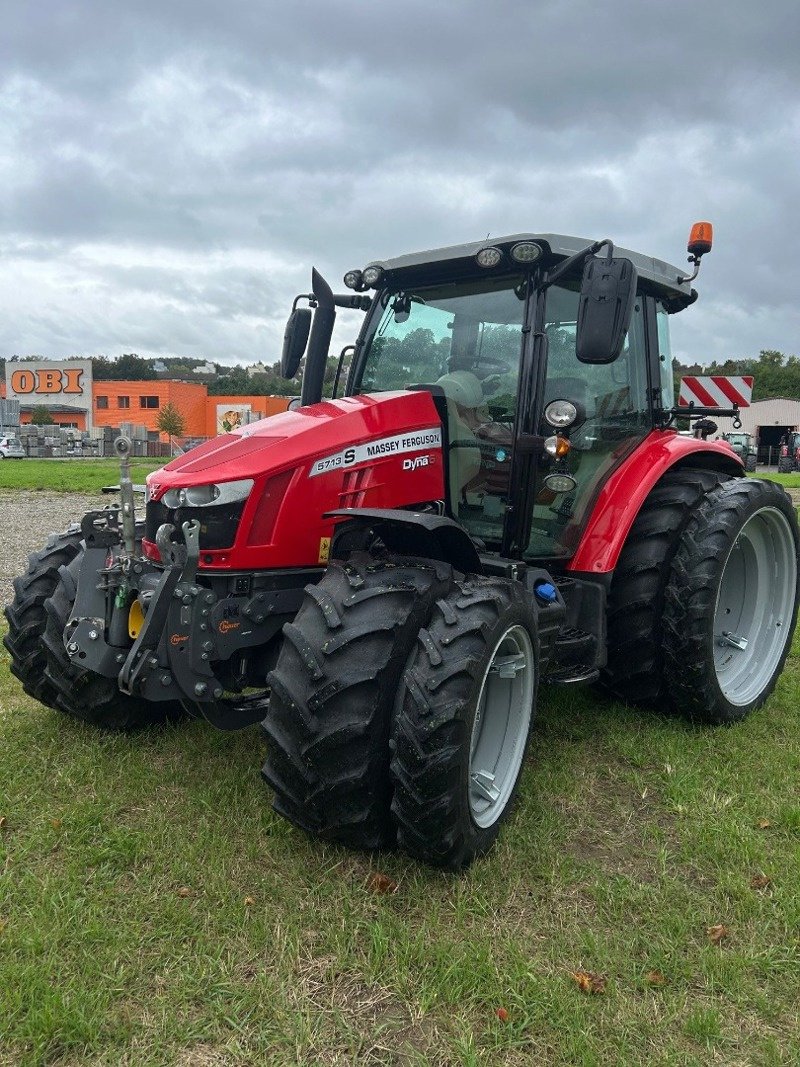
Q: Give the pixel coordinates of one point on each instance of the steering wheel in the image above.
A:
(488, 367)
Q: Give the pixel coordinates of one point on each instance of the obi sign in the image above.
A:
(66, 385)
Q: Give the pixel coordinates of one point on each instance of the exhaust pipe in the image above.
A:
(320, 340)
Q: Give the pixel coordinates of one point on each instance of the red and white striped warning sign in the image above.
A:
(716, 391)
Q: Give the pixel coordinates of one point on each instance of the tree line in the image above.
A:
(775, 373)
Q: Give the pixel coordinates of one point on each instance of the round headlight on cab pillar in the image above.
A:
(489, 257)
(525, 252)
(371, 276)
(560, 414)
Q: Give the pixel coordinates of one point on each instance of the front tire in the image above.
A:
(27, 618)
(462, 721)
(332, 692)
(731, 601)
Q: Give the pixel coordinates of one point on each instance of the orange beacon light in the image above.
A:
(701, 237)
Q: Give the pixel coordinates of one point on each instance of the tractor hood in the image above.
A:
(273, 481)
(296, 437)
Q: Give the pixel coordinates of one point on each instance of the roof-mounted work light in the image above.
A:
(354, 280)
(525, 252)
(371, 276)
(489, 257)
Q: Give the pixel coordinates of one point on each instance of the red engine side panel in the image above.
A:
(622, 496)
(380, 451)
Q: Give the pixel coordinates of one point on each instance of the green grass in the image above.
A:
(70, 475)
(634, 834)
(788, 481)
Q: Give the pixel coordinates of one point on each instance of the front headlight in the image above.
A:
(203, 496)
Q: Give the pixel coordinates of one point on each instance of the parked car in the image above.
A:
(11, 448)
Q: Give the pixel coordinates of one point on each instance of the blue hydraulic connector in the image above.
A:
(546, 592)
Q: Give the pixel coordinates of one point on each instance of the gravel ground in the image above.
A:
(28, 518)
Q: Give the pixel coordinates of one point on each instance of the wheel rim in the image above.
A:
(755, 606)
(502, 722)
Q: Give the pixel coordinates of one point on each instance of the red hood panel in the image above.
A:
(229, 448)
(357, 452)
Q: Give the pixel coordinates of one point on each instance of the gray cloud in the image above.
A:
(169, 172)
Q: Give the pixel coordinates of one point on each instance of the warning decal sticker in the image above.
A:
(384, 446)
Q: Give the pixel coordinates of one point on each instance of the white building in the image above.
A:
(767, 421)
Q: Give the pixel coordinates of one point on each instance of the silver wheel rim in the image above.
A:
(502, 722)
(755, 606)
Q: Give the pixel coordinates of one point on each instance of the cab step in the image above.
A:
(575, 674)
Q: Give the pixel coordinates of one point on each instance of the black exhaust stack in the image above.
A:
(319, 342)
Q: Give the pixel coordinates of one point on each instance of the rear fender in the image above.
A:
(621, 498)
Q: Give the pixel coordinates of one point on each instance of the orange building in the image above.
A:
(72, 398)
(115, 402)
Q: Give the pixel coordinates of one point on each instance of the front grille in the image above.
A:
(218, 526)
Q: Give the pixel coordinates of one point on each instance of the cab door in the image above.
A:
(615, 416)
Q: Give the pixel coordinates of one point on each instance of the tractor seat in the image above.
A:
(464, 396)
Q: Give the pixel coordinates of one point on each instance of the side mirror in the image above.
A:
(295, 339)
(608, 290)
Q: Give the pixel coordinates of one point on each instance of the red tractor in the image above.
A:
(789, 457)
(498, 500)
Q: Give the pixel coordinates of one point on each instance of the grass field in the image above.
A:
(88, 475)
(70, 475)
(154, 911)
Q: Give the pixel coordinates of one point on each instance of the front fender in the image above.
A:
(622, 496)
(413, 533)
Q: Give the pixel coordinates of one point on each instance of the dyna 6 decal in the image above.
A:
(383, 446)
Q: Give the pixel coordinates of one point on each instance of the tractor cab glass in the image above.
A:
(612, 399)
(464, 338)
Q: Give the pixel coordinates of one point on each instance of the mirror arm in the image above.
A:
(576, 260)
(352, 300)
(312, 300)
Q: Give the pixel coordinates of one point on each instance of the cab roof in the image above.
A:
(662, 276)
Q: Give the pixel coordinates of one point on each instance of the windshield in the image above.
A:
(429, 333)
(466, 338)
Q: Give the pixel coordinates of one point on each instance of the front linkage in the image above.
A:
(160, 633)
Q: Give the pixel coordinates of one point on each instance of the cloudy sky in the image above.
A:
(169, 171)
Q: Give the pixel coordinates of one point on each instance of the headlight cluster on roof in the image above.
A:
(523, 252)
(368, 278)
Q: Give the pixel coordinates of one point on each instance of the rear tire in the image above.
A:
(731, 601)
(27, 617)
(82, 694)
(332, 692)
(635, 668)
(462, 721)
(785, 466)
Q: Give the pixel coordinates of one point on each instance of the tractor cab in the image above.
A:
(497, 334)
